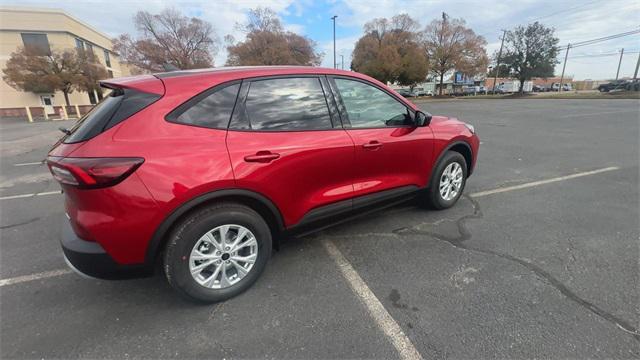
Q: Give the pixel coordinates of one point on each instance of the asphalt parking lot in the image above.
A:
(540, 259)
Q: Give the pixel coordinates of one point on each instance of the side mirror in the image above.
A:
(422, 119)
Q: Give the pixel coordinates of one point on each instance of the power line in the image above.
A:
(601, 55)
(601, 39)
(563, 11)
(552, 14)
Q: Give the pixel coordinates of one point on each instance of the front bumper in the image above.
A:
(89, 259)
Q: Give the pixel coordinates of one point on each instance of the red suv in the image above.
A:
(203, 171)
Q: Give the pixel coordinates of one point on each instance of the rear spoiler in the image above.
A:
(143, 83)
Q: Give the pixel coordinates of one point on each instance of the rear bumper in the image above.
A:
(89, 259)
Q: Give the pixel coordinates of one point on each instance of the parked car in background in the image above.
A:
(473, 90)
(540, 88)
(613, 85)
(407, 93)
(422, 92)
(565, 87)
(204, 171)
(633, 85)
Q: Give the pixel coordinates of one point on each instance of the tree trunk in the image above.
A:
(521, 90)
(441, 80)
(66, 97)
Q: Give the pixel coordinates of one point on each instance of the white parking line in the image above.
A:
(32, 277)
(597, 113)
(58, 192)
(542, 182)
(29, 163)
(383, 319)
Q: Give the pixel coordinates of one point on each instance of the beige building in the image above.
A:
(49, 29)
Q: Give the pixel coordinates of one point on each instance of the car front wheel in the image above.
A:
(217, 252)
(448, 181)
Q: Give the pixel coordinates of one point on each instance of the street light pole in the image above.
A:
(334, 40)
(563, 67)
(495, 75)
(619, 62)
(635, 73)
(342, 61)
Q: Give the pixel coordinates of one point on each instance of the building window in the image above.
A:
(107, 59)
(110, 73)
(92, 98)
(79, 44)
(89, 48)
(38, 44)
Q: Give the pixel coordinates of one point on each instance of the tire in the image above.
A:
(433, 197)
(198, 229)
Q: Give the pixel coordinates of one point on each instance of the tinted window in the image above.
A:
(118, 106)
(287, 104)
(36, 43)
(96, 118)
(370, 107)
(210, 110)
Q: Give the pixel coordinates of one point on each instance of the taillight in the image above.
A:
(92, 173)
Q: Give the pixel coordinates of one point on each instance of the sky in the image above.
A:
(573, 21)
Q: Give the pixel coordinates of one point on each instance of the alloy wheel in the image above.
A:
(451, 181)
(223, 256)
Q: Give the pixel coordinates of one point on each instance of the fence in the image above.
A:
(38, 113)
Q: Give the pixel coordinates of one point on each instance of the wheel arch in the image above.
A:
(261, 204)
(459, 146)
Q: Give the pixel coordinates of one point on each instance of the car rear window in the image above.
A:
(118, 106)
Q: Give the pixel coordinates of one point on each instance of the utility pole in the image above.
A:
(563, 67)
(334, 40)
(495, 76)
(342, 61)
(635, 74)
(620, 62)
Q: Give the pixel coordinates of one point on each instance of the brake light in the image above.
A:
(92, 173)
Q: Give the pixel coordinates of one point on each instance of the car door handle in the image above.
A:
(262, 157)
(372, 145)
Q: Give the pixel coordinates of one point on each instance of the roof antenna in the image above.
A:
(169, 67)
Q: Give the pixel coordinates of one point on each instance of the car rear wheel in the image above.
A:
(217, 252)
(448, 181)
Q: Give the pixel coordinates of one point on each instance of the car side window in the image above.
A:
(287, 104)
(212, 110)
(370, 107)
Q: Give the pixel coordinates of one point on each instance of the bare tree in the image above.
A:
(168, 38)
(267, 43)
(450, 45)
(261, 19)
(390, 51)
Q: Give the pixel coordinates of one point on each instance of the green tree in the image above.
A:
(530, 52)
(390, 51)
(91, 72)
(28, 70)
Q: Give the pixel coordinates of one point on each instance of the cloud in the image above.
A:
(574, 20)
(296, 28)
